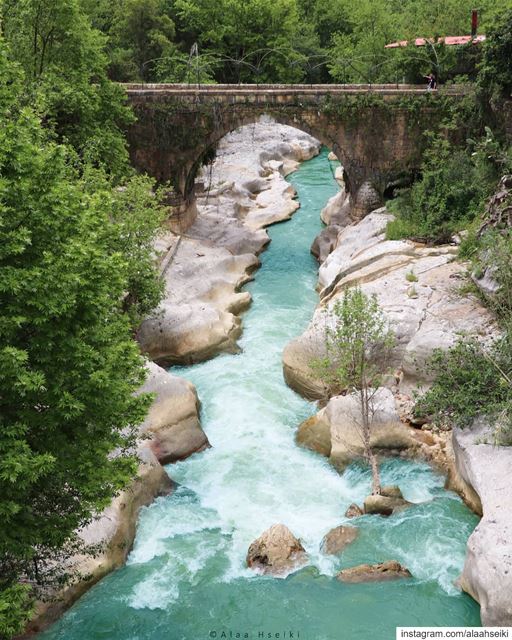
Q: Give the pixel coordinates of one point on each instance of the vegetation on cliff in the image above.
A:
(454, 195)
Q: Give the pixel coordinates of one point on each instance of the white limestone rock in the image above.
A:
(487, 574)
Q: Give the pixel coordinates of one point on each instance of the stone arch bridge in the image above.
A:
(376, 131)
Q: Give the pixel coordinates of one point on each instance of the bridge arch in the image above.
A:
(376, 134)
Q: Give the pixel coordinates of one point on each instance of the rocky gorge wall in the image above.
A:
(204, 267)
(418, 289)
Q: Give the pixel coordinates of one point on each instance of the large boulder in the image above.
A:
(389, 570)
(325, 242)
(172, 420)
(277, 551)
(315, 434)
(338, 538)
(487, 573)
(337, 210)
(335, 430)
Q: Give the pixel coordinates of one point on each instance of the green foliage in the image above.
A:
(65, 76)
(495, 76)
(410, 276)
(141, 35)
(471, 379)
(285, 40)
(77, 271)
(451, 192)
(15, 609)
(356, 344)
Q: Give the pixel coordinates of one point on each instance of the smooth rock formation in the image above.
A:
(389, 570)
(277, 551)
(197, 317)
(338, 425)
(338, 538)
(172, 420)
(389, 501)
(325, 242)
(240, 193)
(424, 314)
(315, 434)
(337, 210)
(487, 574)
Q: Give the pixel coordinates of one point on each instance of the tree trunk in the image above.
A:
(376, 486)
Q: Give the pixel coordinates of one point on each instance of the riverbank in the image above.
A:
(191, 546)
(240, 194)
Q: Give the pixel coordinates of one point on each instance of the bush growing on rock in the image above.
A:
(450, 193)
(471, 379)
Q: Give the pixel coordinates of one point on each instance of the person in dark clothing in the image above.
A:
(432, 81)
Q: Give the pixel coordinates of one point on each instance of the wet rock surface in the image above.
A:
(389, 570)
(277, 552)
(338, 538)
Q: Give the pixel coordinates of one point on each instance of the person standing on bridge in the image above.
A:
(432, 81)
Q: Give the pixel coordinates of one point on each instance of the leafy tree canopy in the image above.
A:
(77, 271)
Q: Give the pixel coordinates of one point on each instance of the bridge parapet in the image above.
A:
(324, 89)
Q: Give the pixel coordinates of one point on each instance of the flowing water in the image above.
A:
(186, 579)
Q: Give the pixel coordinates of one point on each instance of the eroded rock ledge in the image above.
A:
(240, 194)
(416, 287)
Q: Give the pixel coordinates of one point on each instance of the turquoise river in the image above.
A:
(186, 579)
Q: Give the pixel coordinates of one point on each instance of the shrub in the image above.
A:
(447, 197)
(471, 380)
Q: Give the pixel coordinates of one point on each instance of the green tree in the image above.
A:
(449, 195)
(359, 55)
(141, 34)
(357, 344)
(257, 40)
(65, 70)
(495, 77)
(77, 270)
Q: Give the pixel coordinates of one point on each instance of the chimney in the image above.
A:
(474, 23)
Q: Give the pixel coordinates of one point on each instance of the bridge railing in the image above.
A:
(289, 89)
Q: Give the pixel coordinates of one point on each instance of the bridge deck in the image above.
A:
(225, 90)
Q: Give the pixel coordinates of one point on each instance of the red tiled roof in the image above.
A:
(447, 40)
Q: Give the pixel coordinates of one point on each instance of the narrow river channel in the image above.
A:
(186, 579)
